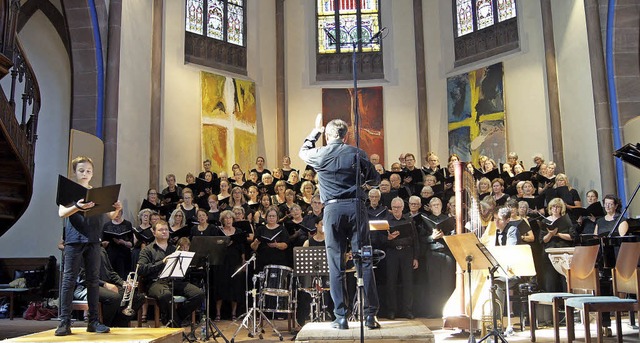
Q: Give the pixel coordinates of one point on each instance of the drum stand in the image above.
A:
(355, 312)
(254, 314)
(318, 308)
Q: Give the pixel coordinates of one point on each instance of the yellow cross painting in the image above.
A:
(476, 114)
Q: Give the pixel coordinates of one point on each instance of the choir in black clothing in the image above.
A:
(283, 211)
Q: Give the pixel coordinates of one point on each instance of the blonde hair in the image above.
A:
(557, 202)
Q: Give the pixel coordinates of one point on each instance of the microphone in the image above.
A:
(331, 36)
(377, 35)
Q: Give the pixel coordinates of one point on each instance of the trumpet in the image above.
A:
(129, 290)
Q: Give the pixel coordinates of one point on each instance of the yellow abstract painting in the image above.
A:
(229, 118)
(214, 145)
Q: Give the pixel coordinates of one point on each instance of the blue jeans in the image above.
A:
(75, 256)
(339, 227)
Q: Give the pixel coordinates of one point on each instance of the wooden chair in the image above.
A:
(83, 305)
(626, 280)
(582, 280)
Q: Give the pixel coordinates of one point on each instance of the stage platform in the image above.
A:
(139, 335)
(390, 331)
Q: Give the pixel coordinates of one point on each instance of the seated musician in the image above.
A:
(111, 291)
(525, 233)
(402, 258)
(152, 261)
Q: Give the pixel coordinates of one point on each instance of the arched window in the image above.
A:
(343, 25)
(215, 34)
(484, 28)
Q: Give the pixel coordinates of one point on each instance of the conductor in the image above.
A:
(335, 164)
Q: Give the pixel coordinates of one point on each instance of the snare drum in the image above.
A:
(306, 283)
(276, 304)
(277, 280)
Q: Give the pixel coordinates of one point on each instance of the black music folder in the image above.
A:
(108, 235)
(404, 229)
(293, 227)
(478, 174)
(594, 209)
(271, 239)
(446, 225)
(244, 226)
(69, 192)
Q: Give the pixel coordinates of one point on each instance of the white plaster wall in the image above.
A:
(528, 128)
(576, 96)
(181, 93)
(304, 94)
(524, 81)
(37, 232)
(134, 105)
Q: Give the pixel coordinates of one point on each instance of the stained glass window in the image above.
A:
(224, 19)
(194, 16)
(474, 15)
(464, 16)
(506, 9)
(484, 9)
(341, 23)
(484, 28)
(215, 19)
(235, 19)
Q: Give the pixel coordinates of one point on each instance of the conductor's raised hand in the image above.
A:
(319, 125)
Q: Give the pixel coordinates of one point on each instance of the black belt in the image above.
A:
(400, 247)
(334, 201)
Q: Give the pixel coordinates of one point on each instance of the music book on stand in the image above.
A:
(378, 225)
(177, 264)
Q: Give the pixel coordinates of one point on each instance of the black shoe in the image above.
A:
(410, 316)
(97, 327)
(63, 329)
(340, 323)
(372, 322)
(391, 316)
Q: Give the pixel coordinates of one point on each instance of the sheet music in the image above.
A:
(174, 269)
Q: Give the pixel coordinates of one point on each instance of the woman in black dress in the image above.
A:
(286, 167)
(260, 216)
(280, 188)
(587, 224)
(605, 224)
(224, 195)
(188, 207)
(272, 241)
(203, 228)
(559, 234)
(260, 169)
(497, 185)
(227, 288)
(177, 226)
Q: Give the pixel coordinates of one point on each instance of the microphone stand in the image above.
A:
(358, 257)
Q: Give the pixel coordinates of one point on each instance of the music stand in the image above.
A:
(212, 250)
(465, 250)
(515, 260)
(176, 268)
(312, 261)
(494, 266)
